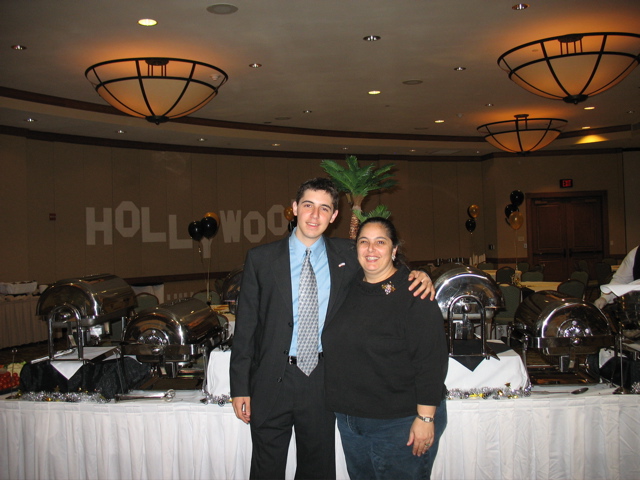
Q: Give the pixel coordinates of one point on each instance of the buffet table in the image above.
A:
(595, 435)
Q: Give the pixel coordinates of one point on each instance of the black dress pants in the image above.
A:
(300, 405)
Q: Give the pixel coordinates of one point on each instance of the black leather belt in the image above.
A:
(294, 360)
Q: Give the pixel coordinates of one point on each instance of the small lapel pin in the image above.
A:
(341, 265)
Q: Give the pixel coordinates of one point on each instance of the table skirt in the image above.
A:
(558, 436)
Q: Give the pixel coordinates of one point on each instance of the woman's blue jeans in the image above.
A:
(377, 449)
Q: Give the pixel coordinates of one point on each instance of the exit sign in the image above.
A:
(566, 183)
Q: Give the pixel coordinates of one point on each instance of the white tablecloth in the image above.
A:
(595, 435)
(19, 324)
(490, 373)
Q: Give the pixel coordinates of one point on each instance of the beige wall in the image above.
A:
(429, 206)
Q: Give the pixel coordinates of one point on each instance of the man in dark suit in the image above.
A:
(269, 391)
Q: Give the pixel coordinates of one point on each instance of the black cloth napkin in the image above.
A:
(469, 352)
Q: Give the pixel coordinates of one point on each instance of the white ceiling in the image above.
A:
(314, 58)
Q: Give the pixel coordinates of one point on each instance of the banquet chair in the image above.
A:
(533, 277)
(573, 288)
(214, 297)
(537, 268)
(145, 300)
(505, 275)
(582, 266)
(512, 296)
(580, 275)
(486, 266)
(523, 267)
(603, 273)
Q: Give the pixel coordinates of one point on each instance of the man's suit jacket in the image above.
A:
(264, 321)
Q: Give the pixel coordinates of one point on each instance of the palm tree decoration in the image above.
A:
(357, 182)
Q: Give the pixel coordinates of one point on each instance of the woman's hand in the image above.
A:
(421, 436)
(422, 285)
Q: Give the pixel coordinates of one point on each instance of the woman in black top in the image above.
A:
(385, 364)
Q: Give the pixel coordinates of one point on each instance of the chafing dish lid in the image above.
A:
(95, 296)
(453, 280)
(552, 314)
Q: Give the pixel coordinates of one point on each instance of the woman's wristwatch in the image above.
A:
(425, 419)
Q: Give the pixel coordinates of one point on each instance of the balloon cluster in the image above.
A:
(473, 212)
(207, 227)
(512, 211)
(291, 218)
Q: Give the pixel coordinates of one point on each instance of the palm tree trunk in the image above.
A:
(354, 223)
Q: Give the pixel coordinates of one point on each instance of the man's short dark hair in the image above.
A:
(319, 183)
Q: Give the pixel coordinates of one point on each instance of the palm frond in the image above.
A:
(379, 211)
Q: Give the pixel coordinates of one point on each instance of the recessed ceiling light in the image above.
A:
(275, 144)
(412, 82)
(488, 104)
(19, 47)
(30, 120)
(439, 121)
(586, 128)
(307, 111)
(371, 38)
(589, 108)
(460, 69)
(255, 65)
(201, 139)
(374, 92)
(345, 148)
(120, 131)
(631, 111)
(520, 6)
(412, 150)
(147, 22)
(222, 9)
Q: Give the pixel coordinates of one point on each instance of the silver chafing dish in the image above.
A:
(561, 328)
(172, 335)
(85, 305)
(231, 288)
(466, 296)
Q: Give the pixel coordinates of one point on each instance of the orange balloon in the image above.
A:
(516, 220)
(473, 211)
(288, 214)
(214, 215)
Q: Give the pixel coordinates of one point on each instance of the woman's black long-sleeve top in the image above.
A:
(384, 353)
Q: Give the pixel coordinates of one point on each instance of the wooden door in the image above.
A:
(564, 229)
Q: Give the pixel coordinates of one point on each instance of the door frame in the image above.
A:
(602, 194)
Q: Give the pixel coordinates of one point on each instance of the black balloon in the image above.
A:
(195, 231)
(509, 209)
(470, 225)
(209, 227)
(516, 197)
(292, 224)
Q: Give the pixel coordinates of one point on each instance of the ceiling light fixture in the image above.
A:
(371, 38)
(520, 6)
(158, 89)
(222, 9)
(374, 92)
(572, 67)
(255, 65)
(18, 47)
(523, 134)
(147, 22)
